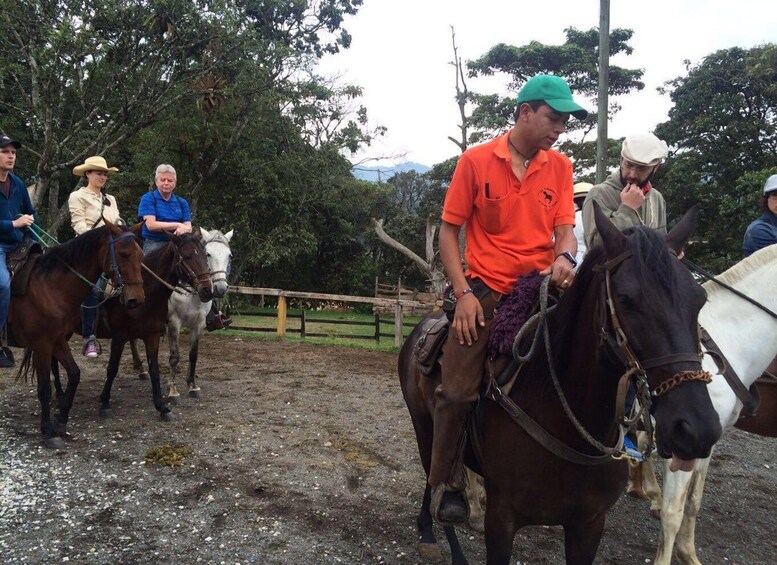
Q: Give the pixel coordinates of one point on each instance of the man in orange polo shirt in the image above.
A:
(514, 194)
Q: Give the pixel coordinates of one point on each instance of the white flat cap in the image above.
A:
(644, 149)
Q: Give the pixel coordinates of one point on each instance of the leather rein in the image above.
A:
(634, 369)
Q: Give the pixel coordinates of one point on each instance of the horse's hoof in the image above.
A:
(167, 416)
(106, 413)
(54, 442)
(429, 552)
(477, 525)
(656, 513)
(637, 493)
(174, 400)
(195, 394)
(143, 376)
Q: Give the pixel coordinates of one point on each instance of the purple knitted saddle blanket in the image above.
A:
(513, 312)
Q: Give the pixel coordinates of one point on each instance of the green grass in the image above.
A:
(243, 318)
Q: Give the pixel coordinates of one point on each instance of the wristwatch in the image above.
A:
(568, 256)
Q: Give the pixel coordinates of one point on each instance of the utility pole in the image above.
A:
(604, 79)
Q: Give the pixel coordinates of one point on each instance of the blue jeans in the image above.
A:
(89, 313)
(5, 282)
(150, 245)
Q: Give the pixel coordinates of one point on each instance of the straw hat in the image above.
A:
(93, 164)
(582, 188)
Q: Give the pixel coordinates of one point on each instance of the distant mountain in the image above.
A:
(383, 173)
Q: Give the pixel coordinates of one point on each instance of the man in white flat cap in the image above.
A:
(627, 195)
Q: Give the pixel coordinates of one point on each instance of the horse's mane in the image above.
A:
(652, 266)
(745, 267)
(72, 252)
(217, 236)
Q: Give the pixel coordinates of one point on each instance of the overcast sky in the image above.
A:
(401, 51)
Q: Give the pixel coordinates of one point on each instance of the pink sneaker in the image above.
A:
(90, 349)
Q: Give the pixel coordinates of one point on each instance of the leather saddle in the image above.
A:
(21, 262)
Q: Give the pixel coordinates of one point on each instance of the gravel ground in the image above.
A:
(296, 453)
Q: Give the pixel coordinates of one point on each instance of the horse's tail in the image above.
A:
(24, 368)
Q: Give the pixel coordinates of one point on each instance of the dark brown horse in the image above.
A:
(183, 260)
(42, 318)
(657, 303)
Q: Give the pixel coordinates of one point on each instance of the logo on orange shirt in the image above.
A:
(547, 197)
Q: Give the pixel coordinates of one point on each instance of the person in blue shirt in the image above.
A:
(16, 213)
(162, 210)
(763, 231)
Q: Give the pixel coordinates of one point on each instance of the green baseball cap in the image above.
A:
(552, 90)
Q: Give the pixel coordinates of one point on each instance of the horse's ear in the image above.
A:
(613, 240)
(111, 227)
(137, 229)
(204, 232)
(679, 235)
(228, 235)
(170, 234)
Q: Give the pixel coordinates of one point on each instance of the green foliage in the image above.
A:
(723, 131)
(577, 60)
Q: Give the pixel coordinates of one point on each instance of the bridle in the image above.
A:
(224, 273)
(197, 280)
(621, 342)
(115, 272)
(618, 342)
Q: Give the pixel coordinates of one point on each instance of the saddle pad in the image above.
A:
(512, 312)
(20, 277)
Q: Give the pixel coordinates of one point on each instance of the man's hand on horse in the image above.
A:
(469, 312)
(561, 272)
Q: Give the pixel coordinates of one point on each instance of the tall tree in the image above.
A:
(723, 132)
(85, 77)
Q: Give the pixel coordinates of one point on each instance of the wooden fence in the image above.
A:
(282, 312)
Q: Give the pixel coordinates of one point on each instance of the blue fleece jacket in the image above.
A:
(17, 203)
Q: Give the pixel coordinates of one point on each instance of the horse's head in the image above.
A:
(219, 258)
(122, 263)
(192, 264)
(656, 303)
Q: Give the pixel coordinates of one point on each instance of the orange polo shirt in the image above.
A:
(509, 223)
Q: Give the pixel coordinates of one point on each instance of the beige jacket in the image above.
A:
(86, 209)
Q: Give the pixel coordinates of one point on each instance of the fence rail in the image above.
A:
(282, 313)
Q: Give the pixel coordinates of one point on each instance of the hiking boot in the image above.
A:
(453, 508)
(91, 349)
(6, 358)
(218, 322)
(631, 450)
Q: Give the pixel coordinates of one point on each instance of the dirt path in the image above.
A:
(298, 454)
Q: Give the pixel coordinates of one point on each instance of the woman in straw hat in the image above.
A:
(89, 206)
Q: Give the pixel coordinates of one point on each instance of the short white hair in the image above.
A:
(161, 169)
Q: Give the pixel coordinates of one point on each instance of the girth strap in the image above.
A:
(750, 399)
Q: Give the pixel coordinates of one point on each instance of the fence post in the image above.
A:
(398, 324)
(302, 325)
(377, 327)
(281, 316)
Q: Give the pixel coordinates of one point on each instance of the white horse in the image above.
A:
(185, 310)
(748, 351)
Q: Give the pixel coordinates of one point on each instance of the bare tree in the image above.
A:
(462, 94)
(434, 273)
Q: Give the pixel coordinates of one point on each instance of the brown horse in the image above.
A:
(42, 318)
(183, 260)
(633, 280)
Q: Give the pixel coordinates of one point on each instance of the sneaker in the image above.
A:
(631, 450)
(6, 358)
(90, 348)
